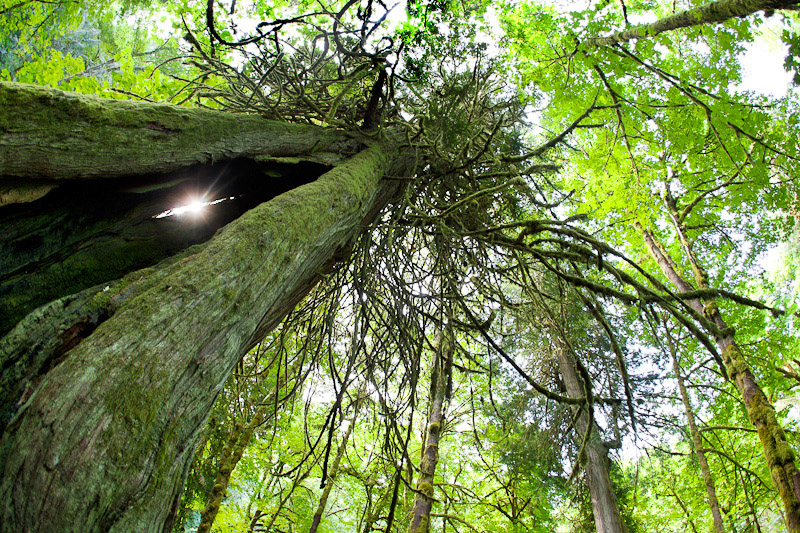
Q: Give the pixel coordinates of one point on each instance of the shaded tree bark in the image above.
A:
(710, 13)
(607, 518)
(121, 377)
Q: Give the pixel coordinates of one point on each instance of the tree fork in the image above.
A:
(89, 232)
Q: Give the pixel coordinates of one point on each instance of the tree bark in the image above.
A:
(777, 451)
(423, 497)
(126, 374)
(711, 13)
(607, 518)
(697, 441)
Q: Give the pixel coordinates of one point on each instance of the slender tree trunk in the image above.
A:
(697, 441)
(232, 453)
(254, 521)
(710, 13)
(126, 373)
(375, 512)
(235, 446)
(777, 451)
(423, 497)
(607, 518)
(296, 482)
(334, 471)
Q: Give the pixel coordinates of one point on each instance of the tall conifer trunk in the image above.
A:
(607, 518)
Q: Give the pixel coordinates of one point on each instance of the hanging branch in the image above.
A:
(712, 13)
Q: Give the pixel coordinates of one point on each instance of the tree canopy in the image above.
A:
(440, 265)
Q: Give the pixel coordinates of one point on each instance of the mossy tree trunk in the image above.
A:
(711, 13)
(52, 136)
(697, 440)
(113, 384)
(607, 518)
(777, 451)
(423, 498)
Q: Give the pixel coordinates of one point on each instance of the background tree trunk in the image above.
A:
(777, 451)
(697, 440)
(423, 498)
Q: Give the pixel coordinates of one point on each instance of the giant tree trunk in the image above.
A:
(119, 378)
(607, 518)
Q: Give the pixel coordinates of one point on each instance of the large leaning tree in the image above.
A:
(106, 386)
(122, 319)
